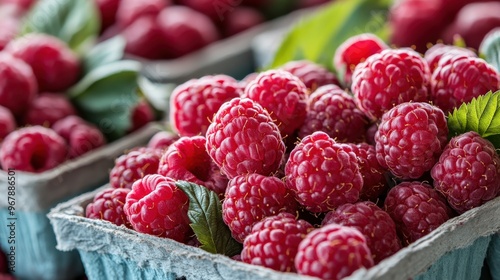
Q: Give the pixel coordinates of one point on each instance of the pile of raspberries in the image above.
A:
(312, 168)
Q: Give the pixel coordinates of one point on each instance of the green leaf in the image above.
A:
(205, 213)
(317, 37)
(481, 115)
(105, 52)
(490, 49)
(75, 22)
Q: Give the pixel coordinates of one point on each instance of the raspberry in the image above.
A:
(81, 136)
(156, 206)
(389, 78)
(130, 10)
(374, 223)
(252, 197)
(410, 139)
(7, 123)
(55, 65)
(333, 252)
(323, 174)
(143, 38)
(162, 139)
(434, 54)
(214, 10)
(240, 19)
(10, 28)
(247, 79)
(333, 111)
(33, 149)
(311, 74)
(48, 108)
(142, 114)
(133, 166)
(107, 12)
(460, 78)
(417, 209)
(193, 103)
(242, 139)
(18, 86)
(108, 205)
(187, 159)
(468, 172)
(355, 50)
(273, 242)
(283, 95)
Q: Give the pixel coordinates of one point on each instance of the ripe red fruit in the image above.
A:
(215, 10)
(133, 166)
(434, 53)
(311, 74)
(162, 139)
(240, 19)
(108, 205)
(7, 123)
(333, 252)
(142, 114)
(130, 10)
(48, 108)
(9, 30)
(144, 39)
(107, 12)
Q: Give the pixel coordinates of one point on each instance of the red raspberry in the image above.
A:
(156, 206)
(55, 65)
(193, 103)
(33, 149)
(274, 241)
(241, 18)
(133, 166)
(333, 252)
(142, 114)
(374, 223)
(417, 209)
(460, 78)
(250, 198)
(107, 12)
(10, 28)
(47, 109)
(283, 95)
(333, 111)
(130, 10)
(410, 138)
(311, 74)
(355, 50)
(18, 86)
(187, 159)
(143, 38)
(108, 205)
(162, 139)
(247, 79)
(468, 172)
(242, 139)
(434, 53)
(81, 136)
(323, 174)
(7, 123)
(7, 277)
(389, 78)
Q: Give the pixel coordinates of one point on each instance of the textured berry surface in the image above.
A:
(33, 149)
(311, 74)
(187, 159)
(47, 108)
(162, 139)
(283, 95)
(243, 139)
(7, 123)
(410, 138)
(417, 209)
(108, 205)
(333, 252)
(434, 53)
(389, 78)
(156, 206)
(134, 165)
(250, 198)
(274, 241)
(323, 174)
(194, 103)
(460, 78)
(374, 223)
(333, 111)
(468, 172)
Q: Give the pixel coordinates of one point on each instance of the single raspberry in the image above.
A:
(55, 65)
(311, 74)
(274, 241)
(460, 78)
(10, 28)
(323, 174)
(240, 19)
(332, 110)
(468, 172)
(410, 138)
(156, 206)
(33, 149)
(434, 53)
(187, 159)
(389, 78)
(7, 276)
(48, 108)
(142, 114)
(214, 10)
(194, 103)
(7, 123)
(107, 12)
(283, 95)
(252, 197)
(143, 38)
(162, 139)
(374, 223)
(417, 209)
(242, 139)
(355, 50)
(81, 136)
(133, 166)
(333, 252)
(18, 87)
(130, 10)
(108, 205)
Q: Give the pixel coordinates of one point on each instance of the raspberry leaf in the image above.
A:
(205, 213)
(481, 115)
(490, 48)
(105, 52)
